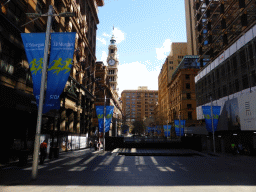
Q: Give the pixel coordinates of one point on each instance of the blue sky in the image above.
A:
(144, 30)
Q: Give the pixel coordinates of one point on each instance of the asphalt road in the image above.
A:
(86, 171)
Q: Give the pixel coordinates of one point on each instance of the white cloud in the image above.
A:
(135, 74)
(104, 57)
(119, 35)
(102, 40)
(106, 35)
(164, 51)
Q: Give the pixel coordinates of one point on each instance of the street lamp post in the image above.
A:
(212, 128)
(41, 100)
(43, 79)
(104, 114)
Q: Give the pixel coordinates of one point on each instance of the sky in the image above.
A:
(144, 31)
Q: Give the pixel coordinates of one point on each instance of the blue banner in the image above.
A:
(179, 128)
(208, 117)
(60, 64)
(34, 48)
(108, 115)
(167, 133)
(155, 129)
(149, 129)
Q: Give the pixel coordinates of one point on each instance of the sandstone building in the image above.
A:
(18, 105)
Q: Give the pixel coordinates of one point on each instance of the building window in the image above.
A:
(187, 85)
(189, 106)
(236, 85)
(188, 96)
(224, 89)
(189, 115)
(112, 50)
(171, 68)
(245, 81)
(39, 6)
(253, 78)
(187, 76)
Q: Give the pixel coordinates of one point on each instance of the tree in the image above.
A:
(138, 127)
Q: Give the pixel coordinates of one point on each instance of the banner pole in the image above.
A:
(104, 112)
(41, 99)
(213, 137)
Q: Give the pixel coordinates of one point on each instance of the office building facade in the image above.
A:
(226, 33)
(138, 105)
(182, 101)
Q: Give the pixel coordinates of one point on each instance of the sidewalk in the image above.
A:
(225, 155)
(61, 154)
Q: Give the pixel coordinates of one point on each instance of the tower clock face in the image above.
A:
(111, 62)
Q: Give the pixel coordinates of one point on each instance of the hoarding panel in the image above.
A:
(247, 109)
(232, 49)
(248, 36)
(254, 31)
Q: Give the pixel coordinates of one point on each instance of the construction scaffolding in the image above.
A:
(219, 23)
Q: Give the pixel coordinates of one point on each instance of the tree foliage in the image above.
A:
(138, 128)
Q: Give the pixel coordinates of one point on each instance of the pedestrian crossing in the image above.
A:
(112, 162)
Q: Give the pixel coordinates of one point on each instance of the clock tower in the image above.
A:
(112, 64)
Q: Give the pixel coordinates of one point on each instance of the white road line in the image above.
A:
(142, 162)
(102, 163)
(89, 160)
(97, 168)
(136, 160)
(110, 159)
(55, 168)
(121, 168)
(30, 168)
(77, 169)
(121, 160)
(162, 169)
(54, 161)
(154, 160)
(184, 168)
(169, 169)
(73, 161)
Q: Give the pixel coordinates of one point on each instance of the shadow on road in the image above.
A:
(111, 169)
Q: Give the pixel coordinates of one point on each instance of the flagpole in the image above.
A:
(41, 99)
